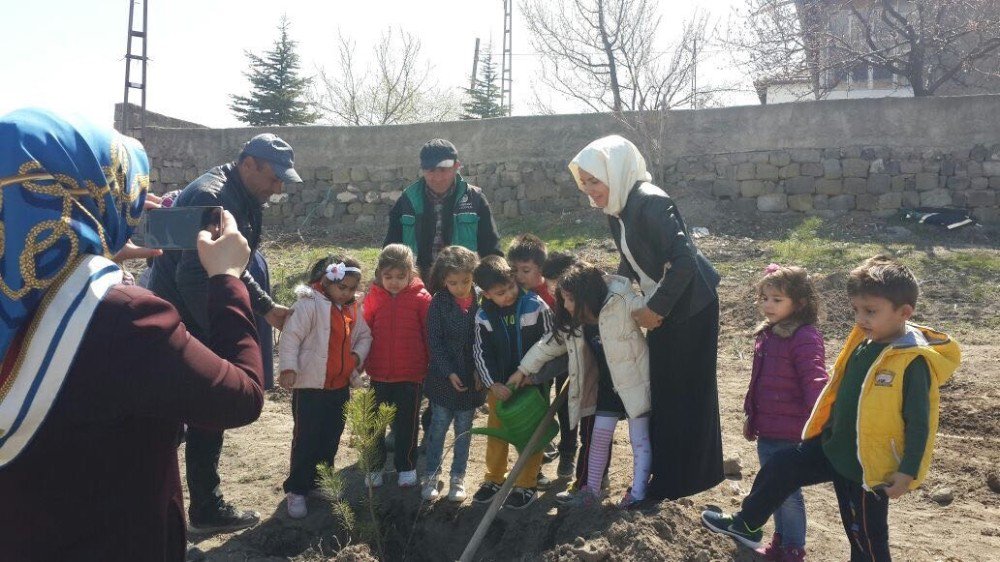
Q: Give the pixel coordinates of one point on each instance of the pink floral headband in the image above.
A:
(771, 268)
(337, 271)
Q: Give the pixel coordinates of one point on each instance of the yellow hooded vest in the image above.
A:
(880, 426)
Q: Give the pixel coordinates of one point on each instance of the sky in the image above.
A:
(68, 55)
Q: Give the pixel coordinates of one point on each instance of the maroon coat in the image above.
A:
(789, 372)
(100, 479)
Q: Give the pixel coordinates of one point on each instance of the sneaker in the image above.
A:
(733, 526)
(542, 482)
(193, 554)
(551, 453)
(407, 479)
(566, 495)
(793, 554)
(456, 492)
(486, 492)
(629, 501)
(296, 505)
(373, 479)
(224, 519)
(583, 497)
(566, 468)
(772, 551)
(430, 491)
(521, 498)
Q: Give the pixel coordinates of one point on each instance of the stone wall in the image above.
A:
(831, 157)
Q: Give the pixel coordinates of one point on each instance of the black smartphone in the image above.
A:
(177, 228)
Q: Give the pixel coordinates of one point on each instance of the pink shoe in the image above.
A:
(772, 551)
(629, 501)
(793, 554)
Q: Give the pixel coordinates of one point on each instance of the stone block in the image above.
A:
(502, 194)
(980, 198)
(948, 167)
(341, 175)
(309, 196)
(889, 201)
(979, 153)
(851, 152)
(855, 185)
(510, 179)
(911, 199)
(832, 154)
(800, 202)
(926, 181)
(154, 175)
(903, 183)
(772, 202)
(780, 158)
(829, 187)
(323, 173)
(841, 203)
(347, 197)
(372, 197)
(877, 166)
(751, 188)
(832, 169)
(911, 166)
(974, 169)
(745, 171)
(510, 209)
(987, 215)
(935, 198)
(991, 168)
(391, 196)
(867, 202)
(800, 185)
(855, 168)
(191, 174)
(813, 169)
(173, 175)
(958, 183)
(725, 188)
(789, 171)
(879, 183)
(995, 182)
(805, 155)
(821, 202)
(766, 172)
(758, 157)
(979, 183)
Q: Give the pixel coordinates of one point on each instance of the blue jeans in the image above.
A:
(441, 418)
(790, 518)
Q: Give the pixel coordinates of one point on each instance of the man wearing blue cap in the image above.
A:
(441, 209)
(242, 187)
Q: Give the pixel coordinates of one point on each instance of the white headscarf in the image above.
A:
(617, 163)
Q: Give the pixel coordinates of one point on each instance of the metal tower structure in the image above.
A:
(130, 49)
(505, 81)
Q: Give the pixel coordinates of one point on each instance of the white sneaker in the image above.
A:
(407, 479)
(457, 491)
(373, 479)
(296, 505)
(430, 491)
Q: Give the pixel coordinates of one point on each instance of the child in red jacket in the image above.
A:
(396, 310)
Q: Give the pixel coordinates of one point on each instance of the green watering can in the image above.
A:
(519, 417)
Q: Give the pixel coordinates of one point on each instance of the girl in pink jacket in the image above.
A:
(789, 372)
(322, 349)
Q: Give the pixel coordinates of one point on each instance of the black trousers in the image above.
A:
(567, 435)
(319, 423)
(202, 448)
(864, 514)
(406, 397)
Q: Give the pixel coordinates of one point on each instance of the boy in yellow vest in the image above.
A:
(871, 432)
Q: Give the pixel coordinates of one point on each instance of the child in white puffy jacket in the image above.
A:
(608, 370)
(321, 352)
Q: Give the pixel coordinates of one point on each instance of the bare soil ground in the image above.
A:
(960, 295)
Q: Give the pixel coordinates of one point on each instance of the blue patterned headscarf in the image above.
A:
(67, 188)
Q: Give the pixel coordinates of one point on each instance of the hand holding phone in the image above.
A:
(225, 254)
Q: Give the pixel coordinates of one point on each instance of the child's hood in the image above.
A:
(941, 352)
(416, 285)
(622, 286)
(309, 292)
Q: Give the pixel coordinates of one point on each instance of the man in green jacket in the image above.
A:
(441, 209)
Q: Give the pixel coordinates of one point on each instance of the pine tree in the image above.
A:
(484, 98)
(276, 87)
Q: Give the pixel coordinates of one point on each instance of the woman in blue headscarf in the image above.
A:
(97, 376)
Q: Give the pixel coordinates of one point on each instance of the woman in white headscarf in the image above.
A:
(681, 313)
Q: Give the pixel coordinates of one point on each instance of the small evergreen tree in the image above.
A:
(276, 87)
(484, 98)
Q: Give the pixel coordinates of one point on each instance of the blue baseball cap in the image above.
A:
(270, 147)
